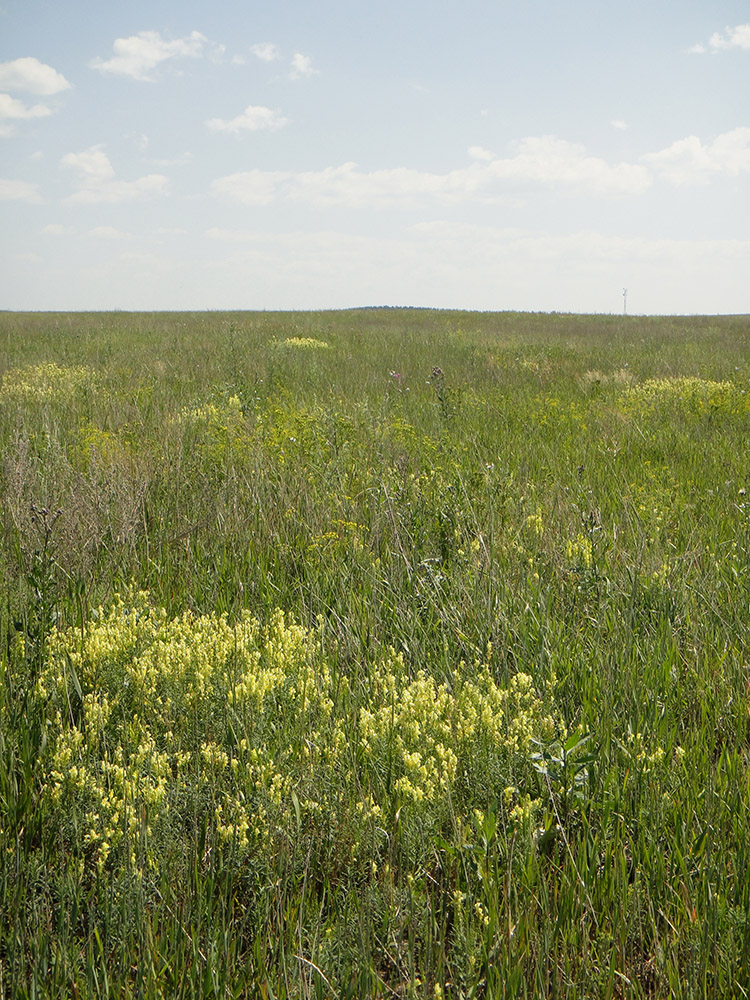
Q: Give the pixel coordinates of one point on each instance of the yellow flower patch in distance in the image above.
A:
(45, 383)
(213, 415)
(686, 394)
(304, 343)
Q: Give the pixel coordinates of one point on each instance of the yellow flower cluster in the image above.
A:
(689, 394)
(428, 736)
(566, 416)
(579, 551)
(143, 709)
(120, 792)
(346, 536)
(289, 430)
(237, 721)
(45, 383)
(637, 749)
(305, 343)
(97, 446)
(211, 414)
(216, 430)
(535, 523)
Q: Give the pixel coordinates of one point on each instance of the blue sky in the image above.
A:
(531, 155)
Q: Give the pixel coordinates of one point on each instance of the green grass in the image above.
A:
(497, 744)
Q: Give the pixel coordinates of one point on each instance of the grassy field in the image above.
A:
(382, 653)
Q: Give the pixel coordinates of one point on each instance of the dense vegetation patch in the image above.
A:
(374, 653)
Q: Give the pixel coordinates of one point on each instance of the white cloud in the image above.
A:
(11, 107)
(618, 123)
(19, 191)
(479, 153)
(350, 186)
(254, 187)
(216, 52)
(301, 66)
(689, 161)
(97, 184)
(266, 51)
(92, 162)
(27, 74)
(114, 192)
(53, 229)
(108, 233)
(137, 55)
(556, 162)
(732, 38)
(343, 185)
(545, 161)
(253, 118)
(33, 76)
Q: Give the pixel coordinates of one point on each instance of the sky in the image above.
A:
(484, 154)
